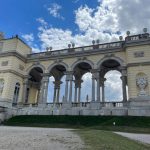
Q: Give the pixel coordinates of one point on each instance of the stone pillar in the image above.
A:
(56, 91)
(79, 94)
(98, 87)
(124, 79)
(93, 87)
(66, 88)
(44, 89)
(78, 90)
(95, 104)
(54, 97)
(75, 94)
(25, 86)
(70, 92)
(103, 89)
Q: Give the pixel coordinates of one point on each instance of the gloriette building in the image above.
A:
(24, 77)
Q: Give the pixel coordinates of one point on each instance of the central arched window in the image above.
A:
(16, 93)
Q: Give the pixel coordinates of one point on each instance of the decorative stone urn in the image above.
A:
(142, 82)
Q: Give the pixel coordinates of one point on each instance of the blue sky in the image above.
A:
(20, 16)
(56, 23)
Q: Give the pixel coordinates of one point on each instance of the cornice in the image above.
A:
(137, 43)
(13, 53)
(72, 55)
(138, 64)
(13, 72)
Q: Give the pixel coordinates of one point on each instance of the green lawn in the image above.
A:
(126, 123)
(107, 140)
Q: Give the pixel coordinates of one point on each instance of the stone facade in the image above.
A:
(24, 77)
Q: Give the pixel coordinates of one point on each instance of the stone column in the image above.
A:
(79, 94)
(56, 91)
(124, 92)
(46, 81)
(70, 92)
(66, 88)
(93, 87)
(103, 89)
(54, 97)
(75, 94)
(78, 90)
(44, 89)
(98, 87)
(25, 86)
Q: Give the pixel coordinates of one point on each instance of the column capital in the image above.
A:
(69, 75)
(102, 80)
(95, 74)
(78, 83)
(94, 70)
(26, 79)
(45, 75)
(124, 73)
(57, 84)
(123, 70)
(45, 79)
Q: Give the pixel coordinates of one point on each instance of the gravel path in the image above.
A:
(26, 138)
(144, 138)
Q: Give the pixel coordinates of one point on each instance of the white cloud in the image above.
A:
(54, 10)
(57, 38)
(129, 14)
(104, 22)
(113, 86)
(28, 37)
(42, 21)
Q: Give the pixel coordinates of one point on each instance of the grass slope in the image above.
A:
(126, 123)
(106, 140)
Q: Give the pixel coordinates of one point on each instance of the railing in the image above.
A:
(29, 104)
(137, 37)
(81, 104)
(98, 47)
(54, 104)
(112, 104)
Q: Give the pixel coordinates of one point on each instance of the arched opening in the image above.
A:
(82, 81)
(113, 81)
(16, 93)
(86, 87)
(34, 84)
(56, 85)
(113, 86)
(50, 90)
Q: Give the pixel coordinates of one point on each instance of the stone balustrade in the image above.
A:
(112, 104)
(137, 37)
(98, 47)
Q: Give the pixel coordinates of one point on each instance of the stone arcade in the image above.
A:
(24, 77)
